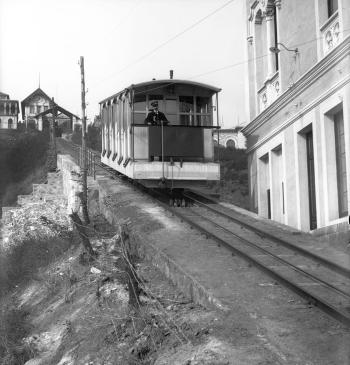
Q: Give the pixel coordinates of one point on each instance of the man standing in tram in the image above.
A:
(155, 117)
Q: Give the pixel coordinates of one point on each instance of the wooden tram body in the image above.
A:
(177, 155)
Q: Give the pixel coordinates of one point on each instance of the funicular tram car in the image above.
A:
(176, 155)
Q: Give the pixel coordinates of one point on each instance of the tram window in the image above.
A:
(186, 104)
(186, 119)
(202, 104)
(203, 120)
(159, 98)
(170, 106)
(172, 118)
(154, 97)
(139, 118)
(140, 103)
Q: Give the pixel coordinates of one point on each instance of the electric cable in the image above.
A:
(201, 20)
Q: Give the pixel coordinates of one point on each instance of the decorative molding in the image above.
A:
(278, 4)
(313, 74)
(302, 112)
(331, 35)
(250, 39)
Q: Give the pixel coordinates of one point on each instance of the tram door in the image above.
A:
(311, 179)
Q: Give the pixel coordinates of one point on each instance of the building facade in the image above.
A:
(298, 138)
(37, 109)
(35, 103)
(230, 138)
(9, 110)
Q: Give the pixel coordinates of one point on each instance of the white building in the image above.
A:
(231, 137)
(35, 103)
(298, 139)
(37, 111)
(9, 110)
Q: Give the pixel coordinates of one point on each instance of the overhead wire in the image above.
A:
(232, 65)
(161, 45)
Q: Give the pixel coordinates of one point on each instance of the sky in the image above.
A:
(123, 42)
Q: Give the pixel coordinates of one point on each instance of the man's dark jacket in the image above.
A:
(155, 118)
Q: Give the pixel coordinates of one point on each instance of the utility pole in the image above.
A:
(52, 154)
(53, 130)
(83, 166)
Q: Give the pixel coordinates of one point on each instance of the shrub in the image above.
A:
(21, 153)
(231, 161)
(27, 151)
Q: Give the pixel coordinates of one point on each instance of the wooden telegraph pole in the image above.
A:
(83, 166)
(52, 154)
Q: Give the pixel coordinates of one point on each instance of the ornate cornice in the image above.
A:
(319, 69)
(302, 112)
(278, 4)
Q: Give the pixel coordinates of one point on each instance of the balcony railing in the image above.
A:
(269, 92)
(331, 35)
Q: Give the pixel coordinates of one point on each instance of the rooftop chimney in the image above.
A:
(171, 74)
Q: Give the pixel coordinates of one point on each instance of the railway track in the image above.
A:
(321, 282)
(321, 285)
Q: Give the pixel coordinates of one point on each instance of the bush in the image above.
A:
(231, 159)
(27, 152)
(21, 153)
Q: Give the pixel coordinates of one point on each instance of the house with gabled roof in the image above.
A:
(38, 108)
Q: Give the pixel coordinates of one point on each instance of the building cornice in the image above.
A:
(302, 112)
(304, 82)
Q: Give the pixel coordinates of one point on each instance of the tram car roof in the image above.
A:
(166, 82)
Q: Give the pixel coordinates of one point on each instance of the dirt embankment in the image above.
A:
(58, 309)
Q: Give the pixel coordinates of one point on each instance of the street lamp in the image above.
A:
(276, 50)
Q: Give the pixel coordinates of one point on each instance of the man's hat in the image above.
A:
(154, 104)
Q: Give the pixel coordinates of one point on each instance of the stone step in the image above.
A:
(23, 199)
(7, 213)
(47, 189)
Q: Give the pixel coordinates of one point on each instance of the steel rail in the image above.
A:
(339, 314)
(335, 267)
(276, 257)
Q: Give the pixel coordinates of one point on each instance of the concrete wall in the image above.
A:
(72, 185)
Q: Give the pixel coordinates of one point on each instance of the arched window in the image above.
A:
(10, 123)
(230, 143)
(275, 34)
(266, 37)
(260, 48)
